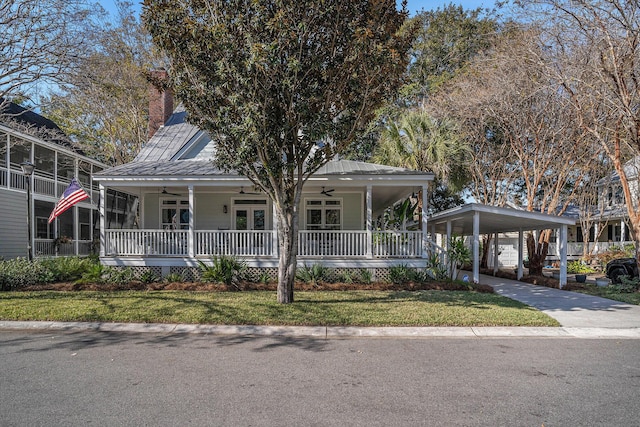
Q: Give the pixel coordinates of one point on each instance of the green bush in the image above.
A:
(148, 277)
(402, 274)
(224, 269)
(579, 267)
(365, 276)
(19, 272)
(627, 285)
(173, 278)
(315, 274)
(65, 269)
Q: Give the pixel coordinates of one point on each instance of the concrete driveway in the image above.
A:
(571, 309)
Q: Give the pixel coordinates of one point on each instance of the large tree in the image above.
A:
(42, 42)
(596, 56)
(528, 120)
(281, 86)
(103, 107)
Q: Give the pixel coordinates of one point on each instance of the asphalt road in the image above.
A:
(85, 378)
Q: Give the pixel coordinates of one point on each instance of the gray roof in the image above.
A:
(157, 158)
(169, 139)
(631, 169)
(206, 168)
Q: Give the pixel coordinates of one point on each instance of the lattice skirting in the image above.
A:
(259, 274)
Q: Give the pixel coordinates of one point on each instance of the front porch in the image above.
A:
(261, 247)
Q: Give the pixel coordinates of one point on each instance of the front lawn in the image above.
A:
(325, 308)
(611, 292)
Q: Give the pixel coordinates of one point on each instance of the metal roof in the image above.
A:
(205, 168)
(169, 139)
(494, 220)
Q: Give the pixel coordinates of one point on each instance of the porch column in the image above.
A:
(191, 235)
(425, 201)
(446, 246)
(76, 230)
(495, 254)
(274, 232)
(476, 247)
(103, 240)
(520, 254)
(596, 235)
(563, 255)
(623, 236)
(369, 247)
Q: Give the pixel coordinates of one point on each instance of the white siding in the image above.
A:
(13, 224)
(209, 211)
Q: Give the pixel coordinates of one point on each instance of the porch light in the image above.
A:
(27, 168)
(224, 209)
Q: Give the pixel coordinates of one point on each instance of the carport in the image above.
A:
(475, 219)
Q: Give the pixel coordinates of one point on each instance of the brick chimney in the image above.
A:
(160, 100)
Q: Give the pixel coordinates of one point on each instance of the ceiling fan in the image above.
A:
(327, 192)
(246, 192)
(166, 193)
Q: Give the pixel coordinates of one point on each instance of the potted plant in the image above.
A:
(580, 269)
(61, 240)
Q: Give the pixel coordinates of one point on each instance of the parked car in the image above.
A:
(622, 267)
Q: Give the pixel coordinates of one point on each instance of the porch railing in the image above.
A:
(311, 243)
(575, 249)
(233, 242)
(397, 244)
(345, 243)
(146, 242)
(47, 248)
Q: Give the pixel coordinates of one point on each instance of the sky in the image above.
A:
(413, 5)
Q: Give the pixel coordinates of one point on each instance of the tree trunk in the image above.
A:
(537, 251)
(486, 241)
(288, 243)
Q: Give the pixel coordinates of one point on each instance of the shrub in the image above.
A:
(579, 267)
(148, 277)
(435, 268)
(627, 284)
(315, 274)
(19, 272)
(173, 278)
(224, 269)
(365, 276)
(64, 269)
(402, 274)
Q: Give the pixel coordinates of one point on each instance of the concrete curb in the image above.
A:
(324, 332)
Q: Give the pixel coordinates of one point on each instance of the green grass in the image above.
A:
(356, 308)
(611, 293)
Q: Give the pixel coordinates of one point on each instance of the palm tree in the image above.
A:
(421, 142)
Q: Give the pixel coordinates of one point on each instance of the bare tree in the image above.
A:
(596, 47)
(507, 101)
(104, 108)
(41, 42)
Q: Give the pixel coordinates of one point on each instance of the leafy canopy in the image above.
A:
(270, 79)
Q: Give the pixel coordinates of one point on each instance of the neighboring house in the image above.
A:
(27, 136)
(190, 210)
(609, 228)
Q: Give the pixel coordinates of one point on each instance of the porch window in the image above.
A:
(324, 214)
(175, 214)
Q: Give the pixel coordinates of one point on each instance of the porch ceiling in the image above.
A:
(493, 220)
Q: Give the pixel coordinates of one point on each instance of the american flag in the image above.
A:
(72, 195)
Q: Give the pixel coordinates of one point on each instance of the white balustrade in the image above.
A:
(234, 243)
(321, 243)
(146, 242)
(397, 244)
(311, 243)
